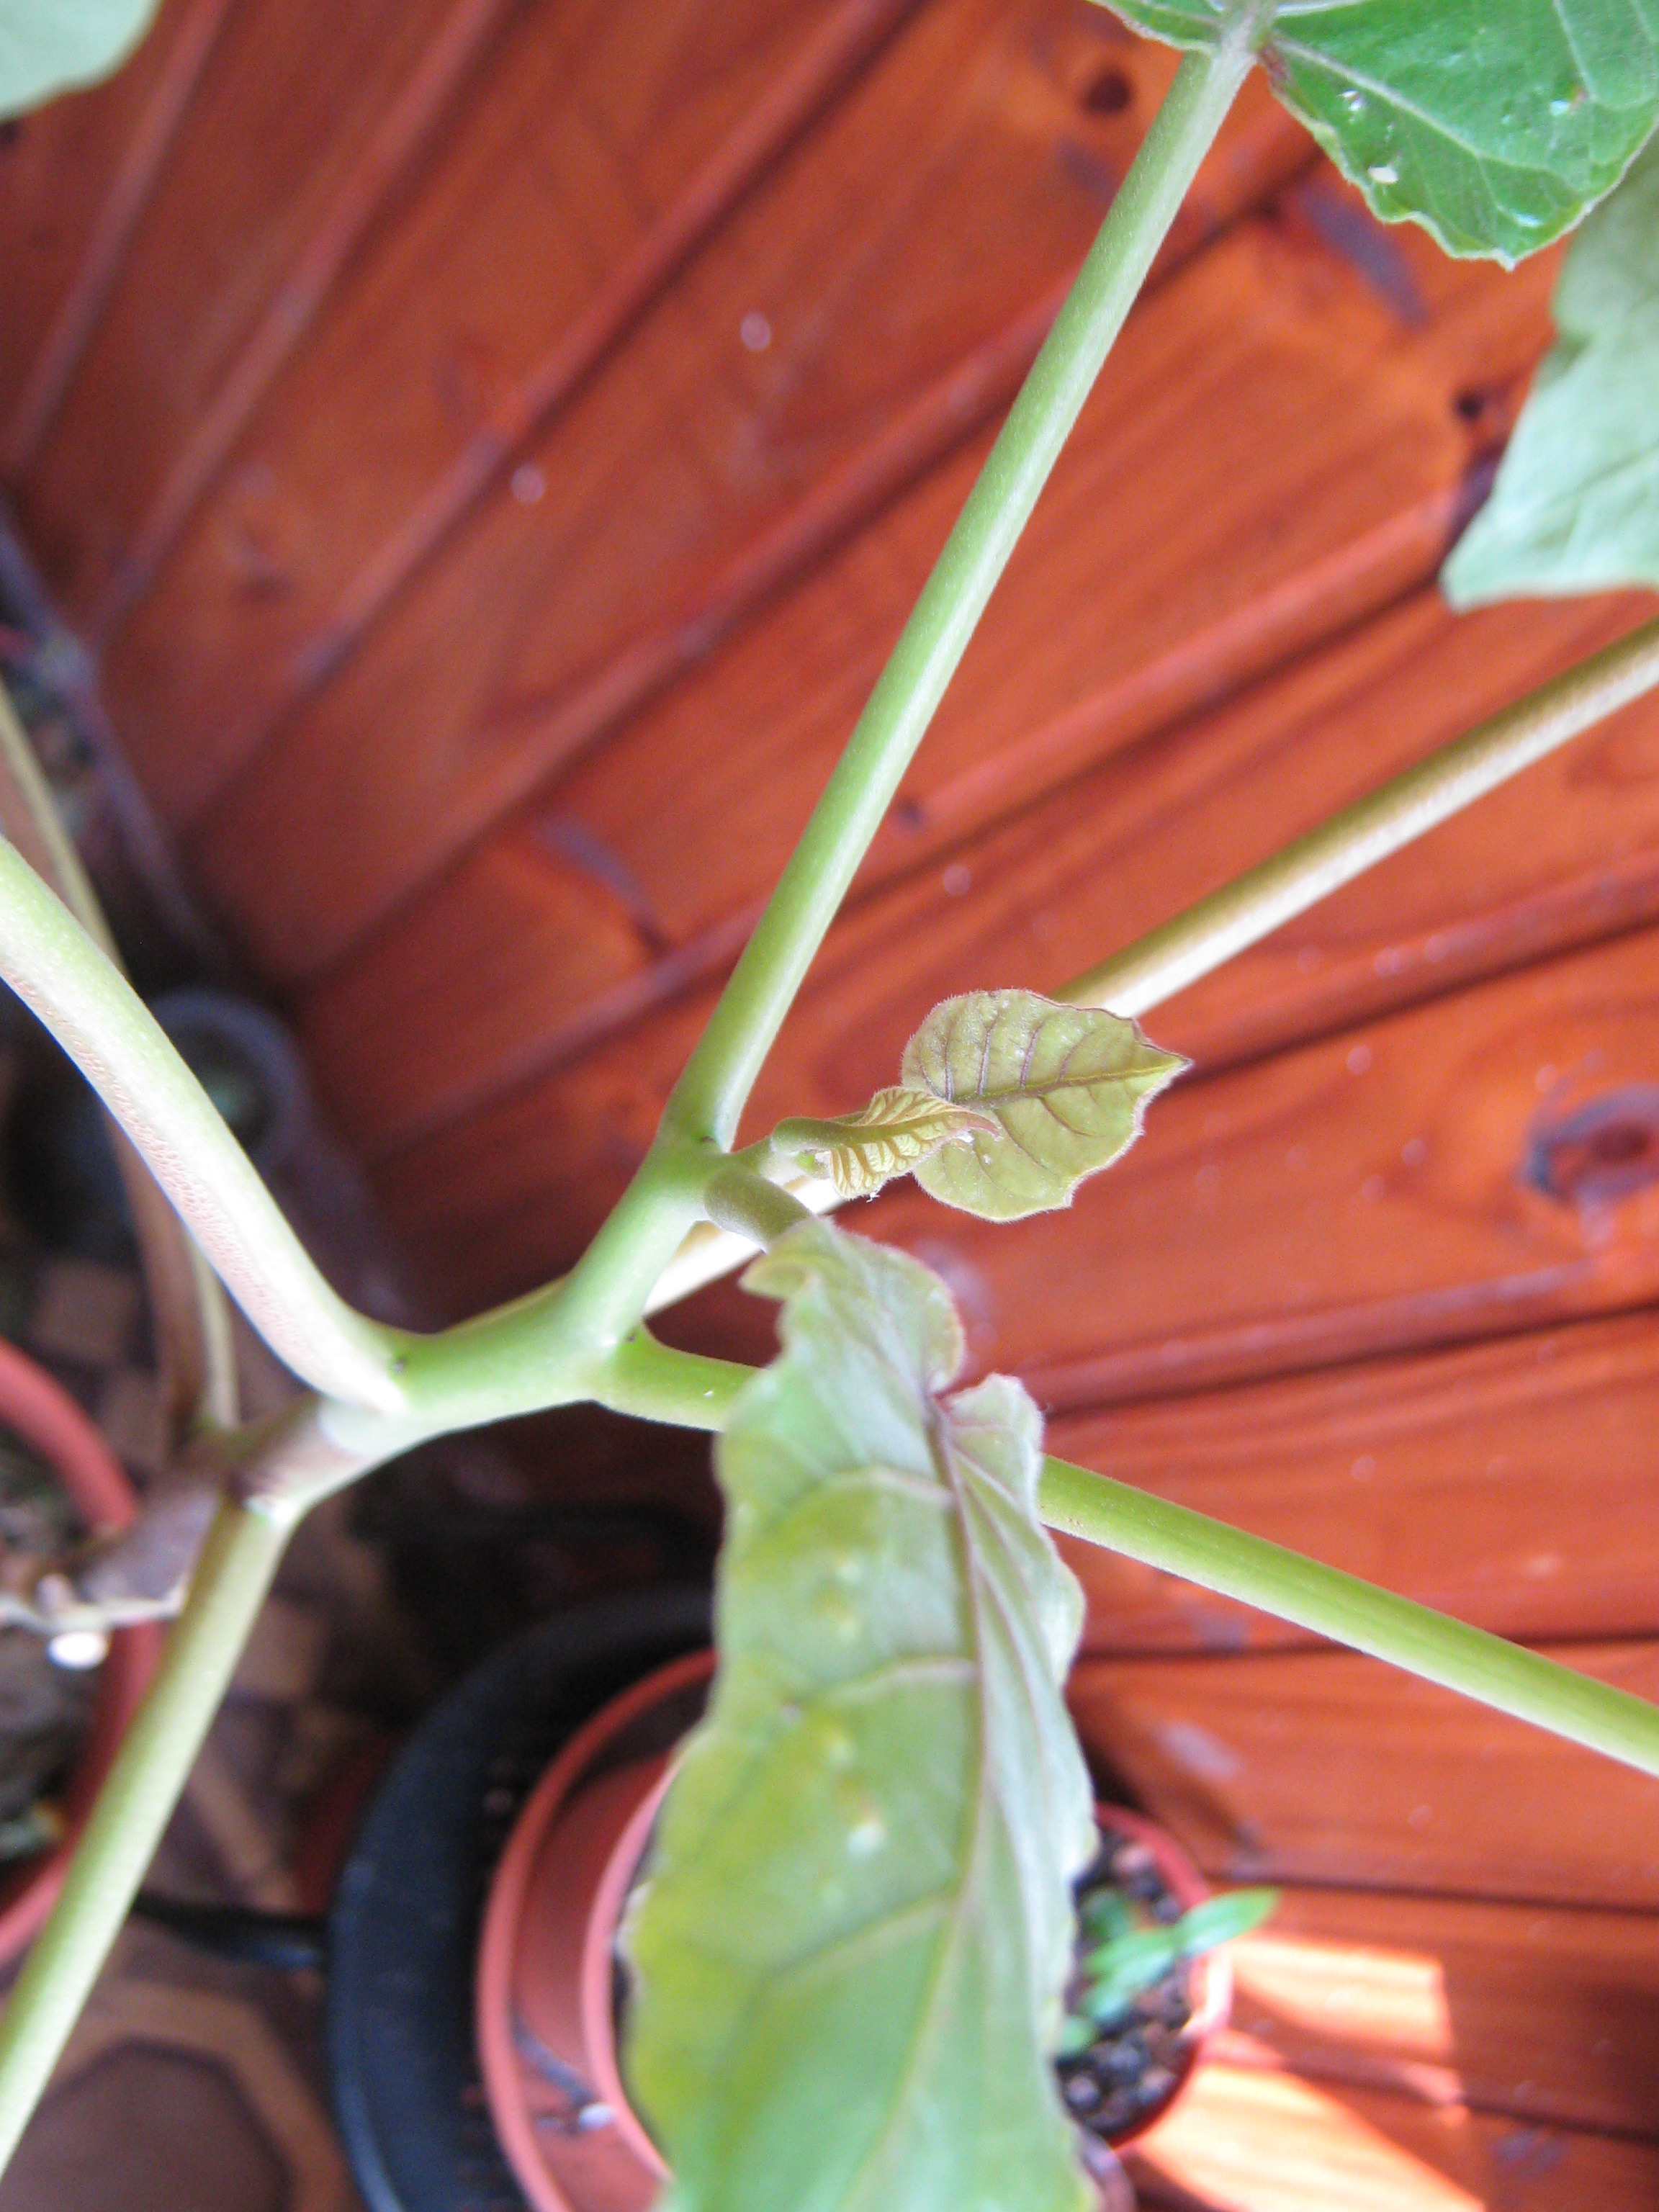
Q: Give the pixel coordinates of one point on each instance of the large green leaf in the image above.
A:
(1576, 507)
(1495, 122)
(891, 1136)
(48, 46)
(850, 1951)
(1065, 1085)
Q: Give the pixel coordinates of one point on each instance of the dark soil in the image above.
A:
(44, 1709)
(1134, 2065)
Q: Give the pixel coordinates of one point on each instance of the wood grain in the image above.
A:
(1571, 852)
(1322, 1766)
(600, 144)
(303, 118)
(57, 169)
(1248, 2140)
(75, 181)
(700, 476)
(1543, 2014)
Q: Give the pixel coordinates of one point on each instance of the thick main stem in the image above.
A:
(234, 1571)
(721, 1073)
(114, 1039)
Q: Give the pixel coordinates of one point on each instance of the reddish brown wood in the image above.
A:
(188, 40)
(700, 476)
(1546, 2014)
(410, 118)
(302, 120)
(437, 358)
(1247, 2139)
(1321, 1766)
(1571, 852)
(59, 170)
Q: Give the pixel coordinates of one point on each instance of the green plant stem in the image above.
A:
(658, 1383)
(710, 1096)
(189, 1322)
(1208, 934)
(116, 1043)
(1413, 1636)
(234, 1571)
(1167, 959)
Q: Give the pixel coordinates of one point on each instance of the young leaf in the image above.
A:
(1121, 1969)
(850, 1951)
(1494, 123)
(1064, 1085)
(894, 1133)
(1576, 507)
(48, 46)
(1222, 1919)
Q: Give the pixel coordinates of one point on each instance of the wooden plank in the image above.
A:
(74, 179)
(1322, 1766)
(1212, 565)
(1119, 609)
(1570, 851)
(1542, 2013)
(280, 163)
(1247, 2139)
(1510, 1484)
(600, 143)
(696, 476)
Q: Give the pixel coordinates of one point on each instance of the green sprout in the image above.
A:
(1130, 1955)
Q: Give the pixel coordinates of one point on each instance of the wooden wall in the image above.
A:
(492, 446)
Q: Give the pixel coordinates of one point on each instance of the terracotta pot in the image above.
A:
(546, 1994)
(48, 1420)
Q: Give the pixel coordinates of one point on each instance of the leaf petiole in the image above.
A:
(659, 1383)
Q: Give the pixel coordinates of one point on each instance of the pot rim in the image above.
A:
(598, 2010)
(492, 1980)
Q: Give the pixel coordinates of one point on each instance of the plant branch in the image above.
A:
(238, 1560)
(110, 1035)
(710, 1096)
(656, 1383)
(1167, 959)
(192, 1328)
(1478, 1665)
(1208, 934)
